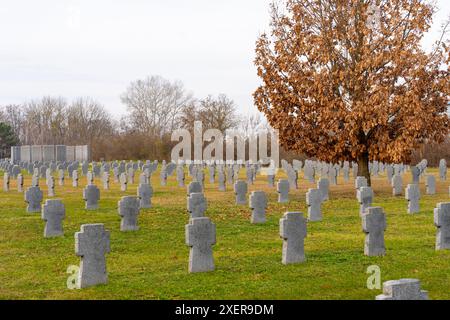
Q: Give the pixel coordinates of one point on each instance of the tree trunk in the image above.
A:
(363, 167)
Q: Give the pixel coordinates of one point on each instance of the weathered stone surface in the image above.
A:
(443, 170)
(374, 225)
(332, 175)
(200, 237)
(53, 213)
(314, 202)
(271, 180)
(84, 168)
(293, 233)
(123, 182)
(181, 177)
(20, 183)
(403, 289)
(360, 182)
(35, 180)
(163, 175)
(258, 204)
(200, 177)
(130, 175)
(92, 243)
(415, 174)
(365, 199)
(212, 173)
(240, 190)
(229, 174)
(51, 186)
(61, 177)
(194, 187)
(249, 174)
(90, 177)
(346, 171)
(442, 223)
(33, 196)
(431, 185)
(129, 209)
(324, 186)
(196, 205)
(145, 193)
(91, 196)
(397, 185)
(283, 187)
(75, 178)
(105, 180)
(6, 182)
(412, 194)
(221, 180)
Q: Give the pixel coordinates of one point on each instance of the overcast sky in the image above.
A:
(96, 48)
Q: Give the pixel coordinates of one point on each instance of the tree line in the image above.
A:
(155, 107)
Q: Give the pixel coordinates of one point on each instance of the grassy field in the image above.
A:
(152, 263)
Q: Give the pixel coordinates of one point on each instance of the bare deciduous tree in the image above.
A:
(154, 104)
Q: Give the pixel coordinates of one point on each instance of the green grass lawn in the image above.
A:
(152, 263)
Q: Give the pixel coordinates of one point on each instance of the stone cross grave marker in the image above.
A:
(403, 289)
(431, 185)
(415, 174)
(181, 176)
(221, 180)
(123, 182)
(365, 199)
(130, 175)
(33, 196)
(443, 170)
(397, 185)
(258, 204)
(360, 182)
(6, 181)
(50, 186)
(283, 187)
(91, 195)
(75, 178)
(35, 181)
(196, 205)
(105, 180)
(314, 202)
(374, 225)
(163, 176)
(200, 237)
(442, 223)
(293, 233)
(53, 213)
(20, 183)
(61, 177)
(90, 177)
(240, 190)
(412, 194)
(145, 193)
(324, 186)
(194, 187)
(129, 209)
(212, 173)
(92, 243)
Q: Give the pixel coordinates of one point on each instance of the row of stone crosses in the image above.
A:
(92, 243)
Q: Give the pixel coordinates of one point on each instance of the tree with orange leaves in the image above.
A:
(349, 79)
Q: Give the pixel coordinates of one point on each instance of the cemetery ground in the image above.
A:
(152, 263)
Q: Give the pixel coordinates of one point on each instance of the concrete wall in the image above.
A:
(50, 153)
(25, 153)
(70, 153)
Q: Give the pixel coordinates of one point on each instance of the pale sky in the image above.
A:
(95, 48)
